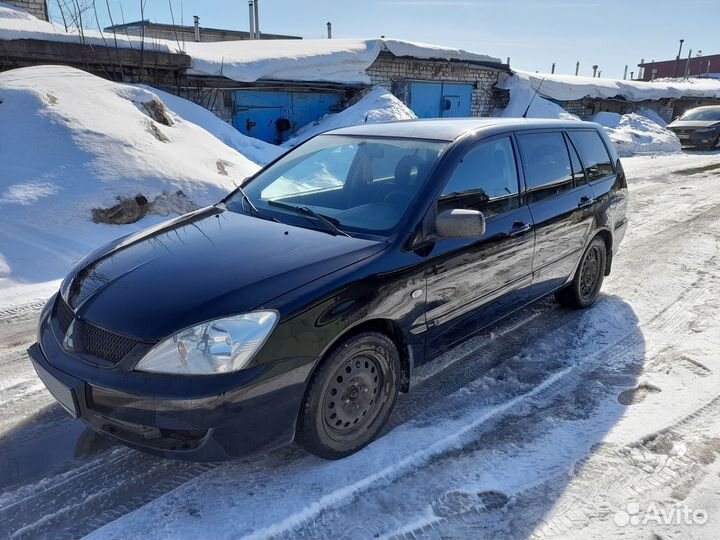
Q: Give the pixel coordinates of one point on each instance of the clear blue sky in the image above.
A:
(610, 33)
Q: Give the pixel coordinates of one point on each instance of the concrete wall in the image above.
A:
(38, 8)
(394, 73)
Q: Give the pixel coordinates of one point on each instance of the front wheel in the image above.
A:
(350, 397)
(584, 289)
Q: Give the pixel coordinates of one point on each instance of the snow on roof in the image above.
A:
(341, 61)
(328, 60)
(569, 87)
(16, 23)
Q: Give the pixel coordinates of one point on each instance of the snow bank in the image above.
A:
(333, 60)
(636, 134)
(652, 115)
(379, 105)
(521, 95)
(258, 151)
(72, 142)
(569, 87)
(16, 23)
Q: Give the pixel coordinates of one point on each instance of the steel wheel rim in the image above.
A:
(352, 398)
(590, 273)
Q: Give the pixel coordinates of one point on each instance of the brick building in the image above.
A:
(697, 66)
(432, 88)
(419, 82)
(38, 8)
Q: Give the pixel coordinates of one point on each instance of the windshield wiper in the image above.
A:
(254, 209)
(330, 224)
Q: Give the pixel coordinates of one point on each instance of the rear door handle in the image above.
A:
(519, 228)
(585, 201)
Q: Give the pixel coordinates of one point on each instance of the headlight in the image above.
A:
(219, 346)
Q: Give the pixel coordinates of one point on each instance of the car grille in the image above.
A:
(92, 339)
(683, 131)
(64, 314)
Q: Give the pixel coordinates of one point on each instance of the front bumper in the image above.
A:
(169, 415)
(697, 139)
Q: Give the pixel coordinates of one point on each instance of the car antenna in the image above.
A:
(533, 98)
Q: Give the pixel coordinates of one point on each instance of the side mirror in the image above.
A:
(458, 223)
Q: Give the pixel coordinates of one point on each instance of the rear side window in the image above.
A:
(486, 180)
(547, 164)
(593, 153)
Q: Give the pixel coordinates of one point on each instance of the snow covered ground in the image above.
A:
(554, 424)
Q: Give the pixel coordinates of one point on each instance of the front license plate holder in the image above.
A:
(64, 395)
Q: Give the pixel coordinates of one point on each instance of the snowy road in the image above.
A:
(547, 426)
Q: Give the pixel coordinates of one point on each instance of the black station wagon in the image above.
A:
(299, 306)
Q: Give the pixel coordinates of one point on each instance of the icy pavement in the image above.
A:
(553, 424)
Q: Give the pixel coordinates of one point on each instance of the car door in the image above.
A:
(561, 203)
(473, 281)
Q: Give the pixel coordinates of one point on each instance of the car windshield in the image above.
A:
(342, 184)
(702, 115)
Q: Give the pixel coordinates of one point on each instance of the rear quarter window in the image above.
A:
(594, 155)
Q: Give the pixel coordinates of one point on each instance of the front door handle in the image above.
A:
(520, 227)
(585, 201)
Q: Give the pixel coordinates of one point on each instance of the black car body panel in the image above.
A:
(427, 293)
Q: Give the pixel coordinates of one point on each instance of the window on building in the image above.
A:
(593, 153)
(546, 163)
(486, 180)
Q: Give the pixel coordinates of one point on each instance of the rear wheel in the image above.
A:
(350, 397)
(584, 289)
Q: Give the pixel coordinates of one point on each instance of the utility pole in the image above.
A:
(677, 58)
(625, 73)
(687, 66)
(552, 69)
(577, 68)
(256, 10)
(251, 18)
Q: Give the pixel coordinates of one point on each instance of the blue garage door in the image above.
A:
(274, 116)
(441, 100)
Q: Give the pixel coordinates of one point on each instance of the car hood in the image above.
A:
(697, 124)
(205, 265)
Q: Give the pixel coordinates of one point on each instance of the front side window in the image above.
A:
(593, 153)
(359, 184)
(486, 180)
(547, 164)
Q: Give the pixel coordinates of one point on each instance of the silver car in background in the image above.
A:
(699, 127)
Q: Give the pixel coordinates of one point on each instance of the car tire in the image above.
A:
(350, 396)
(584, 289)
